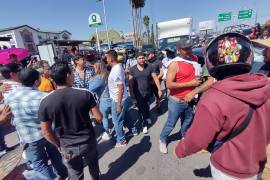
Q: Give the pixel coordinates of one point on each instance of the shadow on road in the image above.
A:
(104, 147)
(128, 159)
(175, 137)
(203, 172)
(158, 111)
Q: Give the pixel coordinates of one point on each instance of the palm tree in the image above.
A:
(136, 6)
(146, 21)
(152, 38)
(93, 41)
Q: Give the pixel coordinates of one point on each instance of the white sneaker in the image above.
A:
(163, 147)
(148, 121)
(2, 153)
(105, 136)
(145, 130)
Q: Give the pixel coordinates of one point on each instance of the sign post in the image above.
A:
(95, 21)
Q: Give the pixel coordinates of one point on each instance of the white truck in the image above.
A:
(169, 32)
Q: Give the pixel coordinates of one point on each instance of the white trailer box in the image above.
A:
(169, 32)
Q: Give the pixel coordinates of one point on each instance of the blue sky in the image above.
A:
(73, 15)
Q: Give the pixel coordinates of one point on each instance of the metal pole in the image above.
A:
(97, 40)
(106, 26)
(256, 16)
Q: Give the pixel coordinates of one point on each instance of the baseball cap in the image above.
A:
(184, 43)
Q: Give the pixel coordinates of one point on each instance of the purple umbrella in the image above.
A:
(19, 52)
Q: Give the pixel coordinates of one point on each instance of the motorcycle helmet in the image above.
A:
(229, 54)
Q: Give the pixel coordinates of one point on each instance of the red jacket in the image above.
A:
(223, 108)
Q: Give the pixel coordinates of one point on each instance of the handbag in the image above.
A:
(216, 144)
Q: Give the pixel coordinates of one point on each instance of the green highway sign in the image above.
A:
(245, 14)
(225, 16)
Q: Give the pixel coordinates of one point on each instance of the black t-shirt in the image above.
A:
(68, 110)
(142, 79)
(265, 69)
(156, 65)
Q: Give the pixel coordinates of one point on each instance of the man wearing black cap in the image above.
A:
(181, 80)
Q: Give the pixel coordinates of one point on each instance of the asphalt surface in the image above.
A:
(141, 158)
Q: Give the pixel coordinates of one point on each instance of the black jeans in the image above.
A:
(76, 157)
(143, 106)
(154, 90)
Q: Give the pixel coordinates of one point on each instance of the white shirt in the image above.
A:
(165, 65)
(197, 66)
(116, 77)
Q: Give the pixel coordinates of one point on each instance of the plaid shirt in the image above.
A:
(83, 83)
(24, 104)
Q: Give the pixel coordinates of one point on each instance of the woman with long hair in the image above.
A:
(99, 86)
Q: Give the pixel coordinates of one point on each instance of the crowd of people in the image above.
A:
(258, 32)
(53, 108)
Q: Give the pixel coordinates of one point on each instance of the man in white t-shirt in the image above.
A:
(118, 94)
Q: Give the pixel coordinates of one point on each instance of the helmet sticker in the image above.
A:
(229, 50)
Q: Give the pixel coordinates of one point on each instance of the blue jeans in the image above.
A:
(177, 109)
(105, 109)
(118, 120)
(39, 152)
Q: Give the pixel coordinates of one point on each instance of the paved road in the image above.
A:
(141, 159)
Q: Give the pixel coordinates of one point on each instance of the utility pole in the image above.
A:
(256, 16)
(105, 19)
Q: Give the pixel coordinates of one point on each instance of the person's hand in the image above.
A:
(119, 108)
(196, 82)
(159, 94)
(5, 115)
(59, 149)
(5, 88)
(190, 96)
(29, 64)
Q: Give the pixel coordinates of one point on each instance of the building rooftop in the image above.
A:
(38, 30)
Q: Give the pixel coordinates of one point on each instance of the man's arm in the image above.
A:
(160, 65)
(157, 82)
(202, 88)
(199, 136)
(96, 113)
(48, 133)
(160, 73)
(120, 88)
(170, 82)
